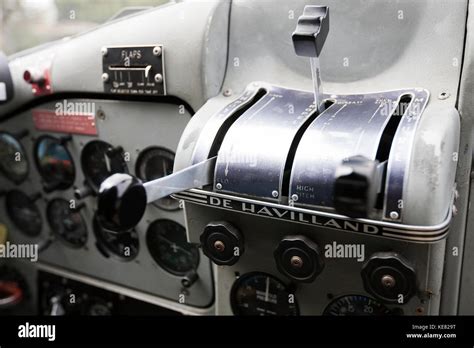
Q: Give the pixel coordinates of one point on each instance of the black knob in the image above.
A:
(356, 186)
(299, 258)
(222, 243)
(189, 279)
(311, 31)
(83, 192)
(389, 277)
(121, 203)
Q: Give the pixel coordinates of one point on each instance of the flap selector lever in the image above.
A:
(123, 198)
(308, 40)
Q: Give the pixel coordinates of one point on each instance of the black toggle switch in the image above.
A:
(389, 277)
(299, 258)
(356, 186)
(222, 242)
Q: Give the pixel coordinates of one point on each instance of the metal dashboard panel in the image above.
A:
(254, 152)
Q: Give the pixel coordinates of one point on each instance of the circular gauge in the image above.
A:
(54, 163)
(167, 243)
(355, 305)
(154, 163)
(262, 294)
(24, 213)
(122, 245)
(66, 223)
(99, 160)
(13, 162)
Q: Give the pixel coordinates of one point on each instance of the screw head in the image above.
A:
(219, 246)
(104, 51)
(105, 77)
(227, 93)
(388, 281)
(275, 193)
(394, 215)
(219, 186)
(294, 197)
(157, 51)
(159, 78)
(296, 261)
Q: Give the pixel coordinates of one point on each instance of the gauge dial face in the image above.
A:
(167, 243)
(13, 162)
(154, 163)
(262, 294)
(24, 213)
(54, 163)
(98, 164)
(66, 223)
(121, 245)
(356, 305)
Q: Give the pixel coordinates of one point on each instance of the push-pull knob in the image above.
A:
(299, 258)
(222, 242)
(357, 183)
(389, 277)
(308, 40)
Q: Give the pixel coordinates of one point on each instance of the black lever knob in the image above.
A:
(222, 242)
(299, 258)
(311, 31)
(356, 186)
(121, 203)
(389, 277)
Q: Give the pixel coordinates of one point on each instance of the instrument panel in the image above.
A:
(53, 201)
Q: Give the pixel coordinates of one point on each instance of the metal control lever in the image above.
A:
(123, 198)
(357, 184)
(308, 40)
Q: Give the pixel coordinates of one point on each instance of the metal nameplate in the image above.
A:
(137, 70)
(411, 233)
